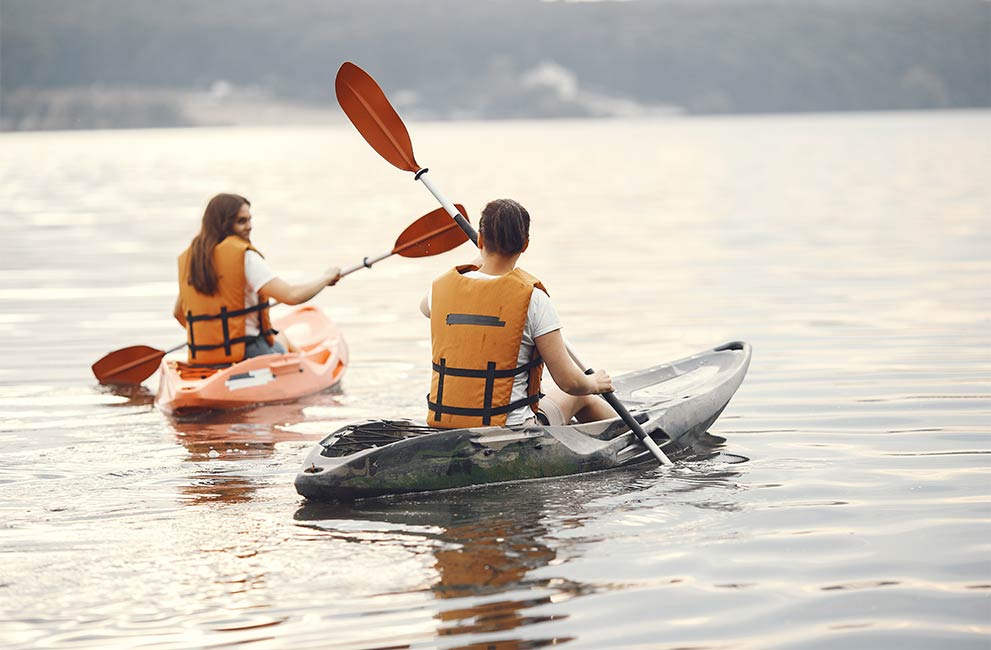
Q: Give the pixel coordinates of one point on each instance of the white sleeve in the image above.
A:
(429, 298)
(541, 315)
(257, 272)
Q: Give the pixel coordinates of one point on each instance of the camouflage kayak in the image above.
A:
(675, 402)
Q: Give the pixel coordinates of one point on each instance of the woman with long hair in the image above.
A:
(225, 285)
(493, 328)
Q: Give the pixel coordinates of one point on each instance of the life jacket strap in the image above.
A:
(225, 313)
(490, 374)
(235, 341)
(485, 414)
(224, 316)
(443, 369)
(240, 339)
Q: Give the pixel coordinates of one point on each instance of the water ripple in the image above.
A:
(848, 507)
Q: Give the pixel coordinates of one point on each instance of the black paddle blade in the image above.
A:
(376, 120)
(432, 234)
(128, 366)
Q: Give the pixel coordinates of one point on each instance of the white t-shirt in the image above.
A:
(257, 273)
(541, 318)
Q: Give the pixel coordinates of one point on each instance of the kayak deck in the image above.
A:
(319, 364)
(676, 403)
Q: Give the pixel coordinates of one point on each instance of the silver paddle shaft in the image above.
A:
(366, 263)
(423, 177)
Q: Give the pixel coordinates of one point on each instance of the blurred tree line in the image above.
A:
(506, 58)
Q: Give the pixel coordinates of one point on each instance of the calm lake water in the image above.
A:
(852, 251)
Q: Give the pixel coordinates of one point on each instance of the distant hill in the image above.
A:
(128, 62)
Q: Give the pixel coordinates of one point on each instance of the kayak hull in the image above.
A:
(319, 364)
(676, 404)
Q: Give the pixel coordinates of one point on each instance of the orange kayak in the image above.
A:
(319, 363)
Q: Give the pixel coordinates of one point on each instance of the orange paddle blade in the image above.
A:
(376, 120)
(128, 366)
(432, 234)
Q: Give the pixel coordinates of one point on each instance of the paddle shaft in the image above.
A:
(366, 263)
(448, 206)
(369, 261)
(610, 398)
(623, 413)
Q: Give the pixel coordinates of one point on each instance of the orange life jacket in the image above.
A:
(476, 327)
(215, 324)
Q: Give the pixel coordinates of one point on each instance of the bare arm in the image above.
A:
(295, 294)
(566, 374)
(177, 311)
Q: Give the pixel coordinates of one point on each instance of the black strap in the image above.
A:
(441, 372)
(490, 371)
(224, 316)
(224, 313)
(227, 330)
(235, 341)
(498, 410)
(482, 374)
(192, 336)
(490, 374)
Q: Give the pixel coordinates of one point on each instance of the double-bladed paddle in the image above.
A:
(432, 234)
(377, 121)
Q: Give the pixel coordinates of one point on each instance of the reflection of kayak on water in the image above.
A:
(675, 402)
(319, 364)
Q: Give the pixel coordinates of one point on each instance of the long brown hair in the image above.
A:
(218, 224)
(505, 226)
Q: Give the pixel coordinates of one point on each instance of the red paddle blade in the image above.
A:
(376, 120)
(432, 234)
(128, 366)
